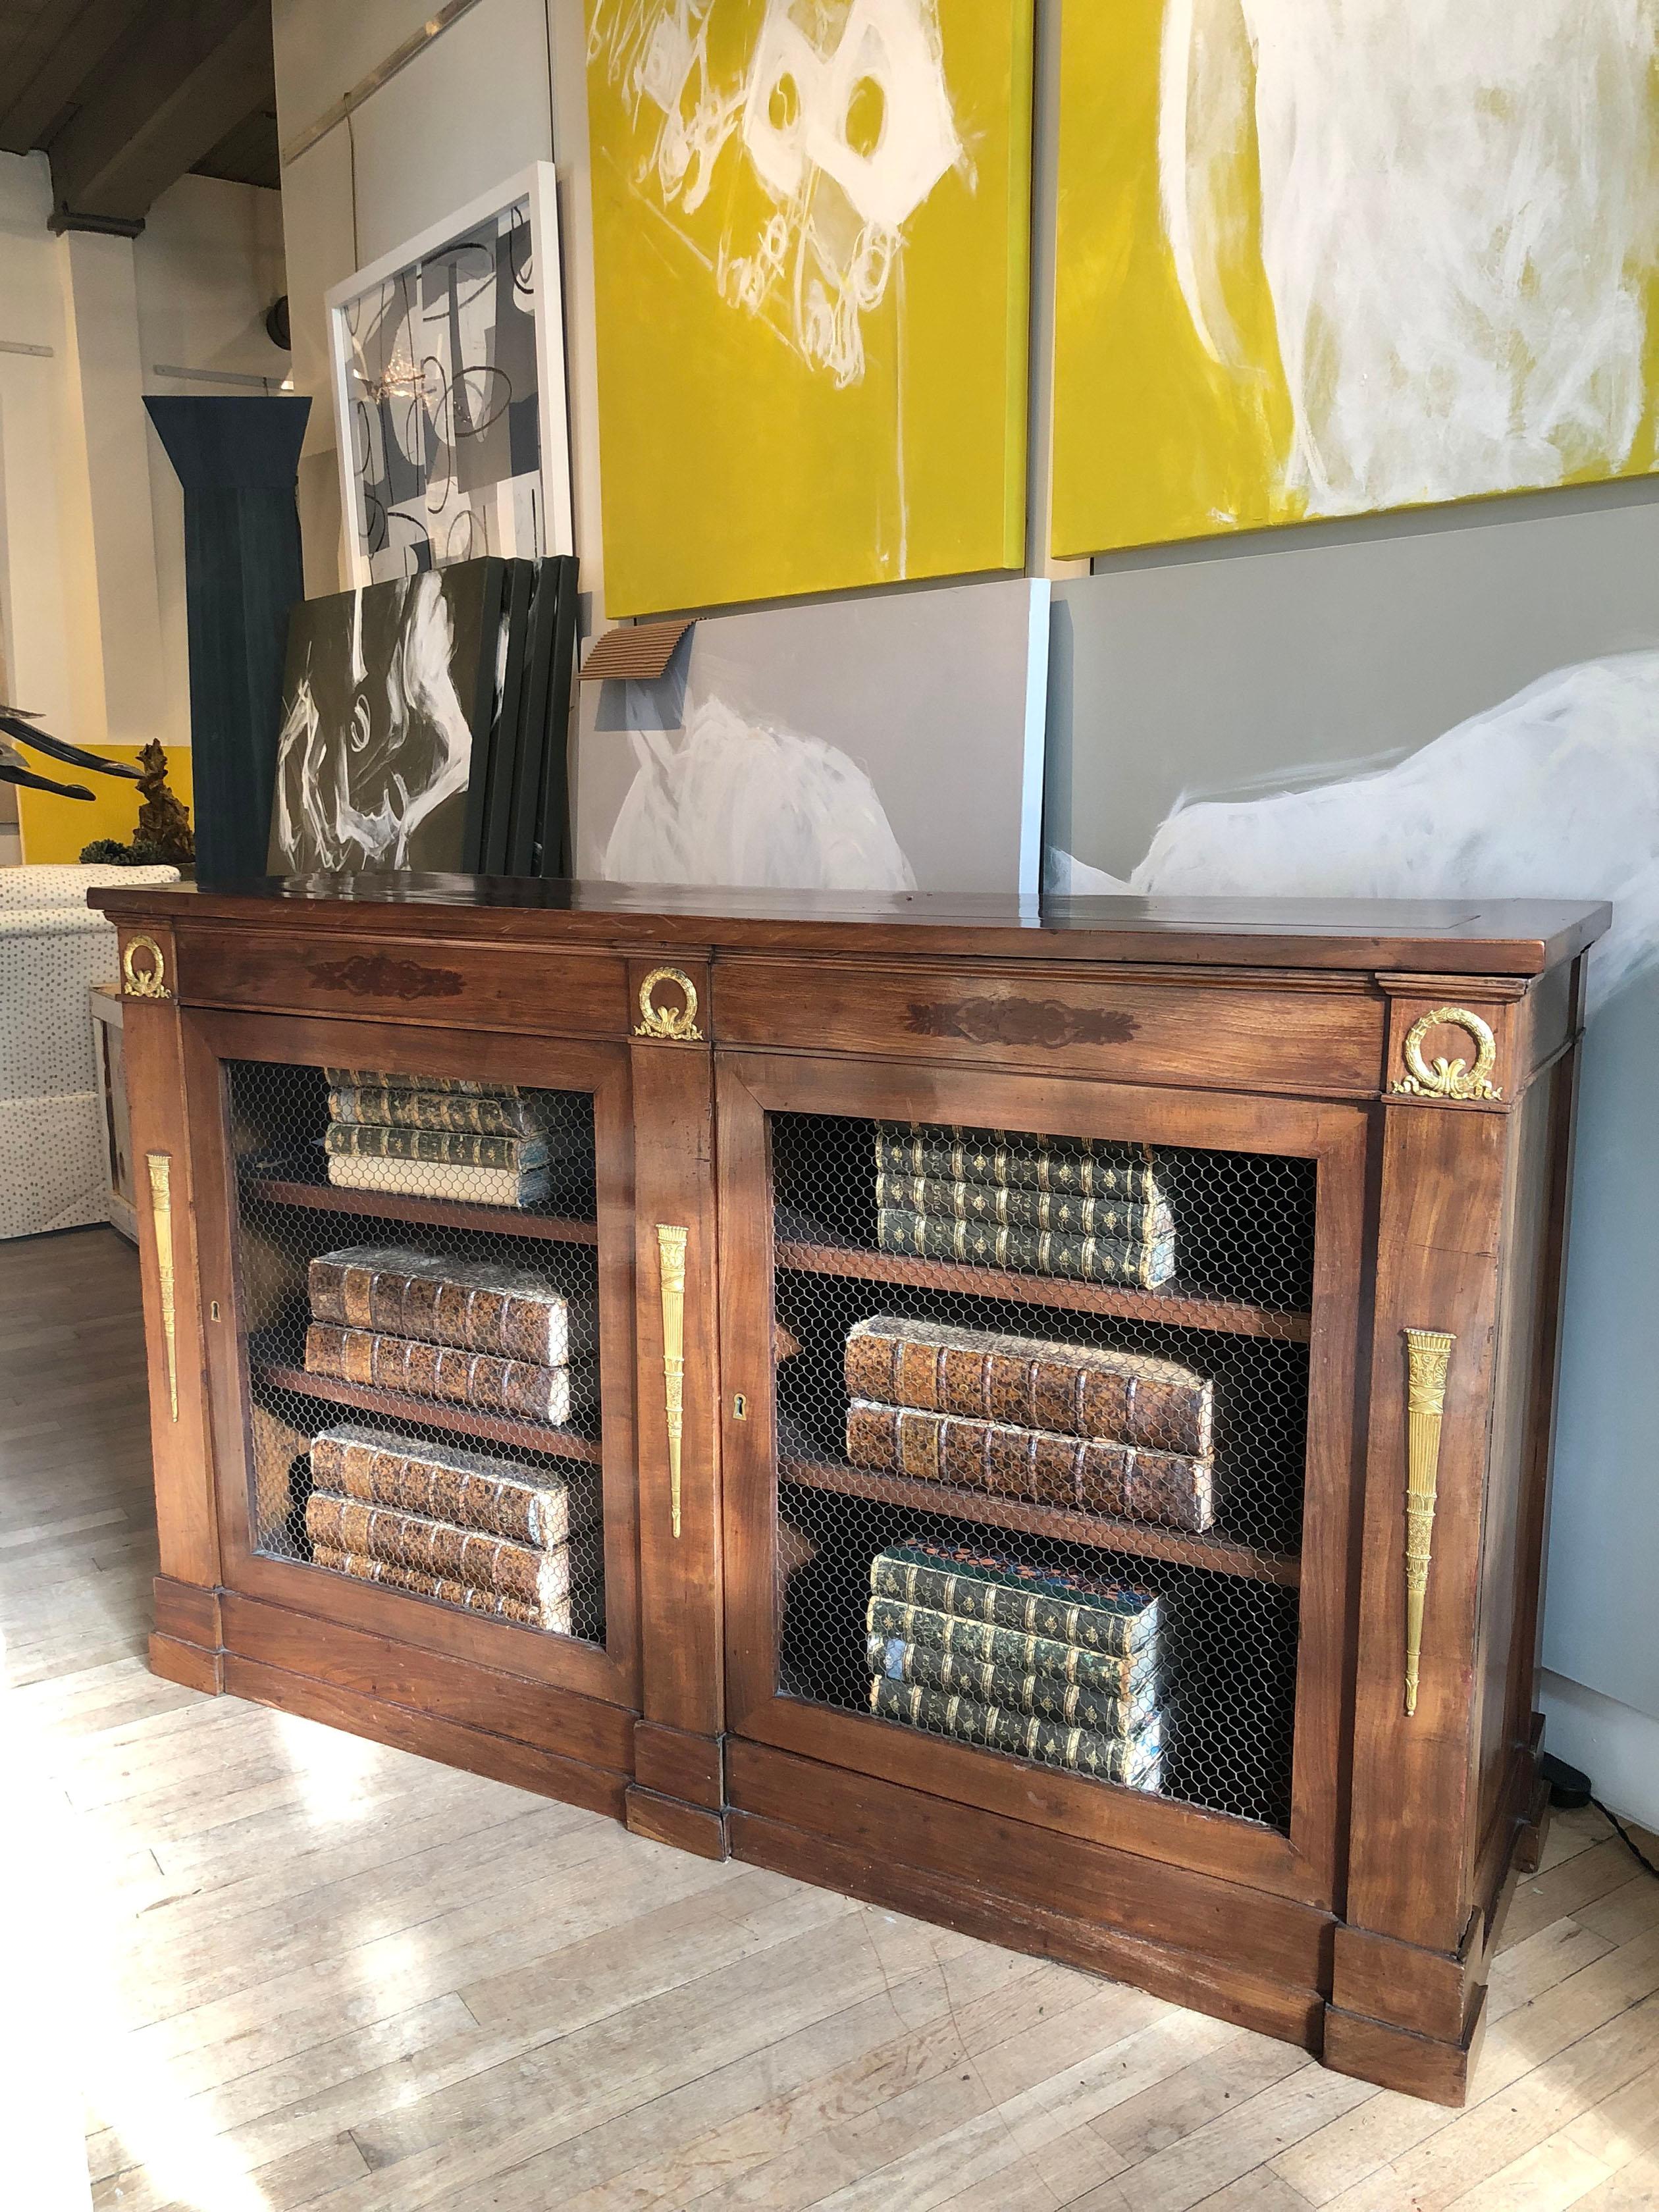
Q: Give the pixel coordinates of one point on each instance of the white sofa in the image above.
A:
(52, 946)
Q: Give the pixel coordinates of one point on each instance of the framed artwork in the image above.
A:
(449, 390)
(890, 743)
(1319, 258)
(390, 695)
(810, 238)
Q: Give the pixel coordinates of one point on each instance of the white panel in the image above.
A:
(468, 111)
(1616, 1746)
(324, 51)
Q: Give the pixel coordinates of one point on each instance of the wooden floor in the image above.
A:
(309, 1971)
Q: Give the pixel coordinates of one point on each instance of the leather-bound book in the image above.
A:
(990, 1586)
(1069, 1389)
(1077, 1165)
(510, 1312)
(1074, 1472)
(439, 1370)
(498, 1497)
(1129, 1220)
(577, 1613)
(1132, 1761)
(374, 1078)
(408, 1109)
(980, 1642)
(543, 1580)
(1073, 1702)
(1084, 1259)
(463, 1148)
(472, 1186)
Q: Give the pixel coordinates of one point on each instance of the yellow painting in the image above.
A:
(55, 830)
(811, 239)
(1319, 258)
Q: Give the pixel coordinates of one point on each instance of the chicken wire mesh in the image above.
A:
(417, 1266)
(1036, 1494)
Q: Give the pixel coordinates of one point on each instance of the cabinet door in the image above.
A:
(1055, 1527)
(418, 1280)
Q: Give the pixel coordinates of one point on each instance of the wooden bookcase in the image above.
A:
(1363, 1116)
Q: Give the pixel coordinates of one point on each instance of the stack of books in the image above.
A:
(487, 1535)
(499, 1339)
(436, 1137)
(1093, 1431)
(1055, 1205)
(1054, 1668)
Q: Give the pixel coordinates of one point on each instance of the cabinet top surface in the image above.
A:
(1476, 936)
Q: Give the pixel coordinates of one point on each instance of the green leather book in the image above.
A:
(980, 1642)
(986, 1244)
(1073, 1702)
(1134, 1761)
(990, 1586)
(1077, 1165)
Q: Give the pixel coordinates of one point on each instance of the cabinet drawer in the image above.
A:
(1225, 1034)
(443, 985)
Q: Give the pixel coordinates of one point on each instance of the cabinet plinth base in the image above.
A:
(187, 1663)
(670, 1820)
(1206, 1983)
(1416, 2065)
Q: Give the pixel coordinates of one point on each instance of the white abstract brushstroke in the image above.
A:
(1553, 794)
(740, 804)
(319, 768)
(1460, 211)
(824, 250)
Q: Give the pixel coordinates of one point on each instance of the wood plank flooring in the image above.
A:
(307, 1971)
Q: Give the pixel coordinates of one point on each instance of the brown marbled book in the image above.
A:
(1076, 1472)
(1034, 1382)
(563, 1618)
(439, 1370)
(542, 1581)
(511, 1312)
(539, 1506)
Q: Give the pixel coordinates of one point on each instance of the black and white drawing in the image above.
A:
(448, 358)
(387, 690)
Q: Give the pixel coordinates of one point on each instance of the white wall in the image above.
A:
(92, 617)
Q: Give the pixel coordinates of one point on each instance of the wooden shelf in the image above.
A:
(438, 1213)
(434, 1413)
(1172, 1305)
(1220, 1554)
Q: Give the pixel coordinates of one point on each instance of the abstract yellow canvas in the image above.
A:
(811, 239)
(1319, 258)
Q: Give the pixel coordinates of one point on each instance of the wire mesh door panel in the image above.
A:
(430, 1364)
(1039, 1401)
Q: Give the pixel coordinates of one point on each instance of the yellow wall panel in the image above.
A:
(811, 269)
(1319, 258)
(55, 830)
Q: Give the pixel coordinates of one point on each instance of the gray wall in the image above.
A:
(1292, 661)
(1214, 677)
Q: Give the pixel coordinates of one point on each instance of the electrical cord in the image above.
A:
(1626, 1838)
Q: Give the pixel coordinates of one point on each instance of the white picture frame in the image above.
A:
(512, 520)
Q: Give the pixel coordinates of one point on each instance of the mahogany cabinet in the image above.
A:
(1339, 1140)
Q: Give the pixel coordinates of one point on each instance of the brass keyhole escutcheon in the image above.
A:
(677, 1024)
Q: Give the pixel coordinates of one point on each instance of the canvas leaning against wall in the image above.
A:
(810, 252)
(448, 364)
(889, 744)
(1319, 258)
(389, 695)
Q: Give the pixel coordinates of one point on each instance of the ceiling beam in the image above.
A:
(188, 75)
(42, 99)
